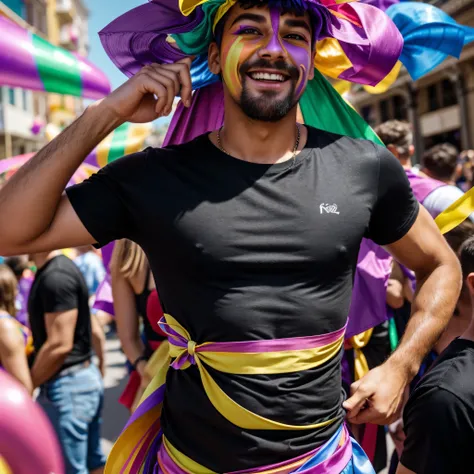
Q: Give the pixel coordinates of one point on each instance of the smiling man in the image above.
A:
(252, 232)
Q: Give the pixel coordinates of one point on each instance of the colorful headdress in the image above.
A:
(366, 41)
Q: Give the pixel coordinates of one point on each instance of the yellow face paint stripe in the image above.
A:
(230, 69)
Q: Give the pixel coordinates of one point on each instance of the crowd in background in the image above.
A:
(52, 337)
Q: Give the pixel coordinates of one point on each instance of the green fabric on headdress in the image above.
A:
(322, 107)
(196, 42)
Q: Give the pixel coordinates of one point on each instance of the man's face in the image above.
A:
(266, 60)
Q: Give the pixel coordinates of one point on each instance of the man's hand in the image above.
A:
(378, 396)
(151, 92)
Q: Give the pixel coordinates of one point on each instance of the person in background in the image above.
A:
(436, 195)
(71, 388)
(438, 418)
(464, 173)
(132, 284)
(93, 271)
(456, 326)
(20, 267)
(15, 339)
(91, 267)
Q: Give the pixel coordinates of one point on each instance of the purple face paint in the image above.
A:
(299, 55)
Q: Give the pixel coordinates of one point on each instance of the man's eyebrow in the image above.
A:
(294, 23)
(250, 16)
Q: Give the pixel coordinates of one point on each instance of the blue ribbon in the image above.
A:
(430, 36)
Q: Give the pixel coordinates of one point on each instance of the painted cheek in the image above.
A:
(301, 59)
(239, 52)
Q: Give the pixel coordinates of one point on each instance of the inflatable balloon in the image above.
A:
(28, 443)
(30, 62)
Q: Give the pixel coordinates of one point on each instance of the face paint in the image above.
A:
(243, 50)
(299, 55)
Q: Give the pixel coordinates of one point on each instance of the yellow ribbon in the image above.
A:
(358, 342)
(250, 364)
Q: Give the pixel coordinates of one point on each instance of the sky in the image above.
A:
(102, 12)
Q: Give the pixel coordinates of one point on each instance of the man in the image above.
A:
(24, 276)
(434, 187)
(71, 386)
(91, 267)
(439, 415)
(440, 162)
(252, 233)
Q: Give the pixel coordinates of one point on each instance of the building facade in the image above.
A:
(21, 110)
(440, 106)
(68, 28)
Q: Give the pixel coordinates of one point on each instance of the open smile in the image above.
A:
(268, 76)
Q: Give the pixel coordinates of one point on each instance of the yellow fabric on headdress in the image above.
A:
(386, 83)
(358, 342)
(330, 58)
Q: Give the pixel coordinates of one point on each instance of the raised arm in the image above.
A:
(35, 216)
(377, 396)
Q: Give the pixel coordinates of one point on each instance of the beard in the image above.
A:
(267, 107)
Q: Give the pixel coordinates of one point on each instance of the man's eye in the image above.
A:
(248, 31)
(296, 37)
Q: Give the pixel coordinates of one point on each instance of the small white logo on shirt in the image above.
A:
(328, 208)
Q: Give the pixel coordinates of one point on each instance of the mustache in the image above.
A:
(280, 65)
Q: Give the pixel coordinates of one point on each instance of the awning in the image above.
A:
(30, 62)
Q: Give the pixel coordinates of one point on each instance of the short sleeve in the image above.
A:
(433, 421)
(104, 202)
(396, 208)
(59, 292)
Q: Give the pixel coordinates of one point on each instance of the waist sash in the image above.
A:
(135, 450)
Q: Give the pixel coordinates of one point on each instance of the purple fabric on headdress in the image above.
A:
(139, 36)
(205, 114)
(381, 4)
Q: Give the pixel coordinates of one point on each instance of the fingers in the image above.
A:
(357, 401)
(170, 80)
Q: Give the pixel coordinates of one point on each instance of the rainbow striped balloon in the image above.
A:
(30, 62)
(128, 138)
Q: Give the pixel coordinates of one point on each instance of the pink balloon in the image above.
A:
(27, 440)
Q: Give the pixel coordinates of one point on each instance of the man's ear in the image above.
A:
(393, 150)
(213, 59)
(470, 283)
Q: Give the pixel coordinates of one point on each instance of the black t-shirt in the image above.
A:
(59, 286)
(439, 416)
(245, 251)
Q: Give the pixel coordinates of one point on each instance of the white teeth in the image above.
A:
(264, 76)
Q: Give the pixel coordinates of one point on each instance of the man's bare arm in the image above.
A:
(34, 214)
(377, 397)
(403, 470)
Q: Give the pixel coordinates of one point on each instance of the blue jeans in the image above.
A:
(73, 404)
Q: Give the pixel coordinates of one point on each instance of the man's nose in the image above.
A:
(273, 49)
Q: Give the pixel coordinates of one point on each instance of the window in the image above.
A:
(433, 99)
(25, 99)
(399, 108)
(11, 96)
(448, 93)
(367, 114)
(384, 110)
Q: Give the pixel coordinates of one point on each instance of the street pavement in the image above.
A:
(114, 415)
